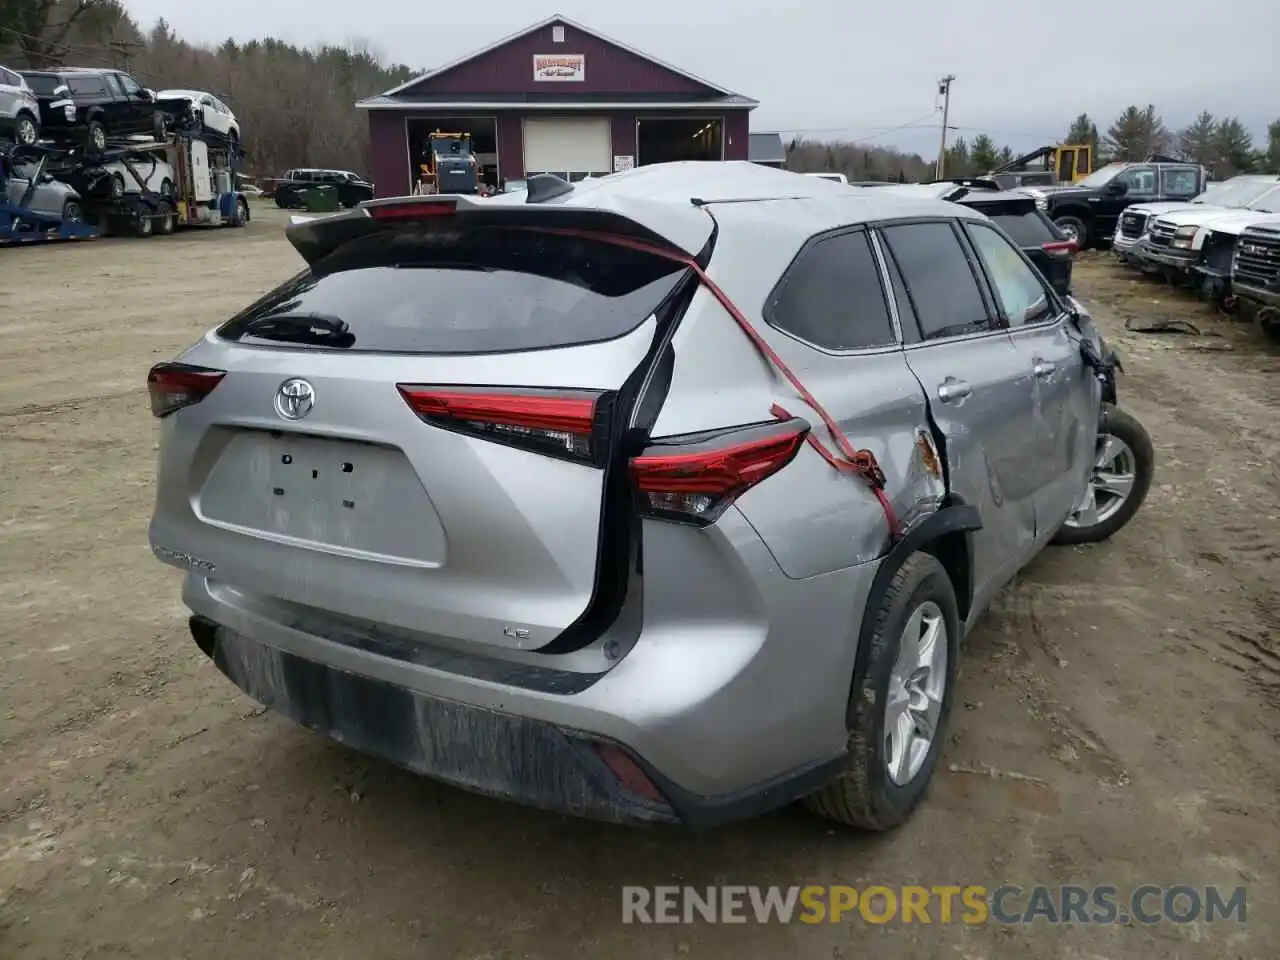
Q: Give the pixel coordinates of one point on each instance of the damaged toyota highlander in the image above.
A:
(667, 497)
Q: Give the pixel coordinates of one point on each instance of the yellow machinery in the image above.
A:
(448, 165)
(1068, 162)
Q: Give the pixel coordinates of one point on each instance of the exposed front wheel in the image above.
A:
(72, 212)
(1123, 466)
(1075, 229)
(901, 702)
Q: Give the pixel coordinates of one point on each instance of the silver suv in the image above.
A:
(19, 109)
(664, 497)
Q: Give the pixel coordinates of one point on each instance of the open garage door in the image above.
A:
(569, 148)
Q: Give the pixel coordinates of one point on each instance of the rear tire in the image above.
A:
(1076, 229)
(96, 137)
(1119, 483)
(168, 224)
(143, 226)
(117, 186)
(868, 794)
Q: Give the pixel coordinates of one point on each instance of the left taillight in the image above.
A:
(1059, 248)
(566, 424)
(173, 386)
(695, 480)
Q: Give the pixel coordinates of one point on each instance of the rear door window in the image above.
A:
(421, 290)
(940, 281)
(832, 296)
(87, 86)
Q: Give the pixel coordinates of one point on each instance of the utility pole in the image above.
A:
(944, 90)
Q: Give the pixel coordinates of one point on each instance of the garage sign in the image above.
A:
(559, 67)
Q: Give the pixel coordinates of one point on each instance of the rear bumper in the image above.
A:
(501, 755)
(731, 696)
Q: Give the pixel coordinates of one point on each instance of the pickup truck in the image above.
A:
(1195, 243)
(1088, 210)
(88, 105)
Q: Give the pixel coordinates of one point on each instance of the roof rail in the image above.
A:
(542, 187)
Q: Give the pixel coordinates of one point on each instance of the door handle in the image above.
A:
(1043, 368)
(951, 389)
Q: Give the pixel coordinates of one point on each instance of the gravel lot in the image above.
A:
(1119, 724)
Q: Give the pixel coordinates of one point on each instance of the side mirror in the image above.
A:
(1117, 188)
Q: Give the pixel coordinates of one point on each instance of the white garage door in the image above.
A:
(567, 147)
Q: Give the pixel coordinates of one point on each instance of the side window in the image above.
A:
(130, 85)
(940, 281)
(1181, 182)
(113, 85)
(1022, 296)
(9, 78)
(1140, 180)
(832, 296)
(86, 86)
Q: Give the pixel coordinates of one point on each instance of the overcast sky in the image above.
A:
(850, 69)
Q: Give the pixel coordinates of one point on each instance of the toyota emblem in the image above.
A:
(294, 399)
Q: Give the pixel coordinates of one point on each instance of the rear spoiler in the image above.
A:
(316, 239)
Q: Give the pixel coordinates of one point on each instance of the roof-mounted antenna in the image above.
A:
(542, 187)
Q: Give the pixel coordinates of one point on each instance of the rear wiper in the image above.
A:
(322, 329)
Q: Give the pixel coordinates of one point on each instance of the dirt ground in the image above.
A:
(1119, 719)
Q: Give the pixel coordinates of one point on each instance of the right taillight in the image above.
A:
(568, 424)
(1059, 248)
(694, 480)
(173, 386)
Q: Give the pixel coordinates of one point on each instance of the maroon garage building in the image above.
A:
(556, 98)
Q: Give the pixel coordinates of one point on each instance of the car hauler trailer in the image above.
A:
(117, 191)
(34, 208)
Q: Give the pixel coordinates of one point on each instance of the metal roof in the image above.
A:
(554, 20)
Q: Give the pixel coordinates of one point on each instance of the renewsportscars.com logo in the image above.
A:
(972, 904)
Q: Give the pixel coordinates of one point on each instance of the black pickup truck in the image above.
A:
(88, 105)
(1088, 210)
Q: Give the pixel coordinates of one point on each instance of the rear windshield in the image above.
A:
(1025, 229)
(479, 291)
(42, 84)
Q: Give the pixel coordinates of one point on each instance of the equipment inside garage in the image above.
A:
(484, 141)
(686, 138)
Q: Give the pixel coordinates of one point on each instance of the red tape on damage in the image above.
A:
(860, 462)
